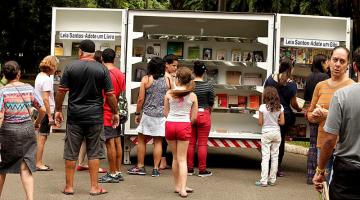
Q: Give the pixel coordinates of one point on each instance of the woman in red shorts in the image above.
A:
(180, 109)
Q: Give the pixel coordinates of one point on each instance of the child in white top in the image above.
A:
(271, 115)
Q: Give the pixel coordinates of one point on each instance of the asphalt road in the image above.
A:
(234, 174)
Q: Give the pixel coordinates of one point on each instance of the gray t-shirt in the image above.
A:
(344, 120)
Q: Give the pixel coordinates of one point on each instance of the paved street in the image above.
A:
(235, 171)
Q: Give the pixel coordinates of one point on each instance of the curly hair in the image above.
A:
(47, 64)
(156, 68)
(185, 78)
(271, 99)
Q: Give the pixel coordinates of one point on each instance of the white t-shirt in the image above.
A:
(271, 119)
(45, 83)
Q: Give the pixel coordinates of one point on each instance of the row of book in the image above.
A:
(236, 78)
(153, 49)
(237, 102)
(302, 55)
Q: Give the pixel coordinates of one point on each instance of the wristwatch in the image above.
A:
(137, 113)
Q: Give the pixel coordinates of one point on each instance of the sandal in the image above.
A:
(188, 190)
(47, 168)
(67, 193)
(102, 170)
(81, 168)
(102, 191)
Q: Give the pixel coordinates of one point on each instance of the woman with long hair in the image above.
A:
(271, 115)
(149, 114)
(287, 90)
(17, 133)
(180, 110)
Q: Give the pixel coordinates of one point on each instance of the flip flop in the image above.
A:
(98, 193)
(67, 193)
(188, 190)
(166, 167)
(102, 170)
(81, 168)
(47, 168)
(183, 196)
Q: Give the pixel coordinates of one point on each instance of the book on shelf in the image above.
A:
(258, 56)
(117, 51)
(233, 77)
(300, 81)
(59, 49)
(235, 55)
(194, 52)
(247, 56)
(176, 48)
(287, 52)
(207, 54)
(242, 101)
(153, 49)
(138, 51)
(252, 79)
(212, 76)
(233, 101)
(221, 54)
(222, 101)
(75, 46)
(254, 102)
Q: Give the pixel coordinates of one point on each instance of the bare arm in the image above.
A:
(282, 118)
(314, 101)
(40, 116)
(60, 95)
(294, 104)
(261, 119)
(141, 97)
(112, 101)
(166, 105)
(45, 96)
(194, 108)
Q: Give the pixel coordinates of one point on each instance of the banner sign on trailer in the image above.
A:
(310, 43)
(86, 35)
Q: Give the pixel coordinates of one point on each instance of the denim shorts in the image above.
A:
(94, 137)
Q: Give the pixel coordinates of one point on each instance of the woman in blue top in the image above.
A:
(287, 92)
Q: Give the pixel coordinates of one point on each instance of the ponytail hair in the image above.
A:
(185, 78)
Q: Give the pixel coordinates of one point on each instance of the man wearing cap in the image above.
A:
(85, 79)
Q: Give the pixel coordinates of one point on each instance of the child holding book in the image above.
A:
(180, 109)
(271, 115)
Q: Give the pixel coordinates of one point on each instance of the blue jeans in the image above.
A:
(328, 167)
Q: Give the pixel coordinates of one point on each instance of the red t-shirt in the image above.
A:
(118, 82)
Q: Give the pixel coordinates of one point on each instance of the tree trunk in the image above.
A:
(221, 5)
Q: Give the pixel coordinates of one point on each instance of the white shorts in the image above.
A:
(152, 126)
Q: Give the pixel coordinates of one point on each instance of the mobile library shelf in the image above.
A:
(237, 49)
(106, 27)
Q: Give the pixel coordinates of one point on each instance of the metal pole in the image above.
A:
(146, 4)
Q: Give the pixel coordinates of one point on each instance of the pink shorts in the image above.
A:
(178, 131)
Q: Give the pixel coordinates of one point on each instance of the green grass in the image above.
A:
(300, 143)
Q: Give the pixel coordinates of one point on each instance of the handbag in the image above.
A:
(122, 105)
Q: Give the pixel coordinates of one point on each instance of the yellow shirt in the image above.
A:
(322, 96)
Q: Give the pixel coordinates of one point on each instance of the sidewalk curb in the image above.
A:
(296, 149)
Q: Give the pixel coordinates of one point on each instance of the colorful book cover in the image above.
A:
(207, 54)
(233, 101)
(193, 52)
(222, 100)
(242, 101)
(301, 56)
(254, 102)
(138, 51)
(176, 48)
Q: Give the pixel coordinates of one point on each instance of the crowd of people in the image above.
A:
(174, 108)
